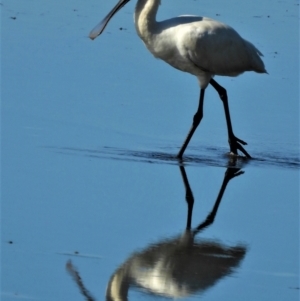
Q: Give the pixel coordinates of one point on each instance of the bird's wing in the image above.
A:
(217, 48)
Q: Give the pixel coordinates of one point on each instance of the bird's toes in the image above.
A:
(235, 145)
(240, 141)
(241, 148)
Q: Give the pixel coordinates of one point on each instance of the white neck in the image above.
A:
(145, 17)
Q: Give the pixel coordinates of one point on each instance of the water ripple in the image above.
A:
(201, 156)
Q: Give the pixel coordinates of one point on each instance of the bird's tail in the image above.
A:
(256, 62)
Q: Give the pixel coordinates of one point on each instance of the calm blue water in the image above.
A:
(94, 203)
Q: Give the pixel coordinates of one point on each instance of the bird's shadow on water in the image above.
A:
(205, 156)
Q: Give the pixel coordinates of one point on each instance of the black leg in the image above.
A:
(234, 142)
(197, 118)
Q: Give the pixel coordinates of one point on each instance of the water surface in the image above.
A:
(95, 204)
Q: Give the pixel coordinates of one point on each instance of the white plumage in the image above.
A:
(198, 45)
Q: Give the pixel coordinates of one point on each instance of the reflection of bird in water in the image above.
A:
(176, 267)
(197, 45)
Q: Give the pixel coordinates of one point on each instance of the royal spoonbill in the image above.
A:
(198, 45)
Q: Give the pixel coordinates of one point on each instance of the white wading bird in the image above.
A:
(198, 45)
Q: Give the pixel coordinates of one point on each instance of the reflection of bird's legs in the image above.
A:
(196, 121)
(234, 142)
(188, 197)
(229, 174)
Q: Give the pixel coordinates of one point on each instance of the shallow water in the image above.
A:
(94, 202)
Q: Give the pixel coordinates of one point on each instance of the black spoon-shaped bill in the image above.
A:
(99, 28)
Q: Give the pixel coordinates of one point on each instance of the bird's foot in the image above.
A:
(235, 145)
